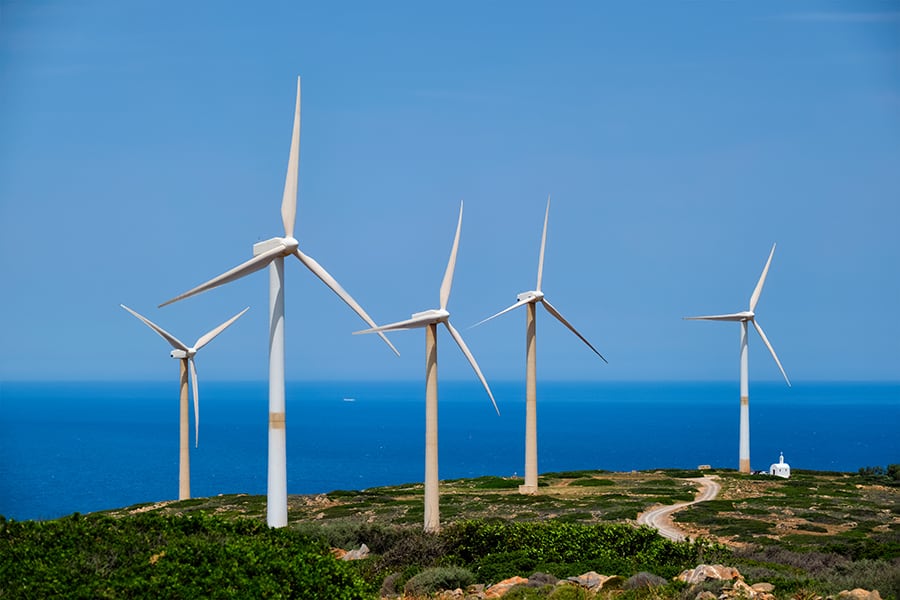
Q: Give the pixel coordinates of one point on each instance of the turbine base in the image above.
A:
(529, 490)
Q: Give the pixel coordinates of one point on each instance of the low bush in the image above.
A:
(438, 578)
(826, 572)
(498, 566)
(884, 476)
(503, 549)
(495, 483)
(644, 580)
(591, 482)
(525, 592)
(569, 592)
(162, 556)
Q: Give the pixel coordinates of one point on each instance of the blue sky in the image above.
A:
(143, 148)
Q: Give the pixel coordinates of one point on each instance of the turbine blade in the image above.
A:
(196, 403)
(289, 199)
(413, 323)
(208, 337)
(505, 310)
(771, 349)
(332, 283)
(465, 350)
(731, 317)
(762, 280)
(447, 283)
(562, 320)
(543, 245)
(245, 268)
(174, 341)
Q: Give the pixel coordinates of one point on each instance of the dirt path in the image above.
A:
(661, 518)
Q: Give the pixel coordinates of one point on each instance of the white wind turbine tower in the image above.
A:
(743, 318)
(530, 300)
(429, 320)
(272, 253)
(185, 354)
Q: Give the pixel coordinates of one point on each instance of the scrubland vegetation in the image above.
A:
(814, 534)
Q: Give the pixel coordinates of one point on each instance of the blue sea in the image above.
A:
(83, 447)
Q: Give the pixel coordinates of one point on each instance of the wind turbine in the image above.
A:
(748, 316)
(429, 320)
(272, 253)
(186, 355)
(530, 300)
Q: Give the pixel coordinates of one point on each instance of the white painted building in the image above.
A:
(781, 468)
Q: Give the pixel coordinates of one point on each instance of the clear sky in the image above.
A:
(143, 147)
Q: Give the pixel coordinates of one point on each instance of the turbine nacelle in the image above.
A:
(531, 297)
(182, 354)
(741, 317)
(289, 245)
(434, 315)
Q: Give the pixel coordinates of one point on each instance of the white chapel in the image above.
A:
(781, 468)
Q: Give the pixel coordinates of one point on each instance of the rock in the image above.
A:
(705, 595)
(859, 594)
(592, 580)
(361, 552)
(338, 553)
(498, 589)
(451, 594)
(741, 589)
(701, 573)
(475, 588)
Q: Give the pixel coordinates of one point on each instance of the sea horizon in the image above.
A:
(83, 446)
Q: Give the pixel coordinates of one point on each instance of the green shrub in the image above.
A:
(569, 592)
(574, 517)
(498, 566)
(591, 482)
(525, 592)
(379, 538)
(390, 585)
(495, 483)
(501, 549)
(574, 474)
(623, 513)
(163, 556)
(439, 578)
(893, 472)
(643, 580)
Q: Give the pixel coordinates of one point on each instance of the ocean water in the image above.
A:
(82, 447)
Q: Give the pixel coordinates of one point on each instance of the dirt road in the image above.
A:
(661, 518)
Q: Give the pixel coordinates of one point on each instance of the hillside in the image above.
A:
(815, 534)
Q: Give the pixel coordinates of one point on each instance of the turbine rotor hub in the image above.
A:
(290, 244)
